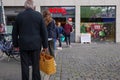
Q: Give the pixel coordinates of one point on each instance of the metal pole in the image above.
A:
(0, 11)
(3, 16)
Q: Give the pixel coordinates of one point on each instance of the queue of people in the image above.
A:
(56, 32)
(33, 31)
(64, 32)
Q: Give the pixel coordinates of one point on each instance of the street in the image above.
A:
(95, 61)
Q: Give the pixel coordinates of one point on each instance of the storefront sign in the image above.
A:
(58, 10)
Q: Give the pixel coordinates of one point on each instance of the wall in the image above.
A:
(77, 4)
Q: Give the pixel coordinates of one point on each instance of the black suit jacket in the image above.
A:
(29, 31)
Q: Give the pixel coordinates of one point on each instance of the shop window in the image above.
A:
(99, 21)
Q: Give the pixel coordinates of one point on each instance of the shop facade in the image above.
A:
(104, 17)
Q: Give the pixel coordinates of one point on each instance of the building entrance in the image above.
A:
(62, 14)
(61, 20)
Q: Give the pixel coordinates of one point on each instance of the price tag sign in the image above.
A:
(85, 37)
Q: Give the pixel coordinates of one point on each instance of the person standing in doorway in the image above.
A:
(60, 34)
(29, 34)
(67, 31)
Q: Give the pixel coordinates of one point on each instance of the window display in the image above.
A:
(99, 22)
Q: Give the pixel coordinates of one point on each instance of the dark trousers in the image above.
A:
(60, 43)
(51, 47)
(67, 39)
(28, 56)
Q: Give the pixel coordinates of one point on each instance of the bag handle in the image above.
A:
(43, 54)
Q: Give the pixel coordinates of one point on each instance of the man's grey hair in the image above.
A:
(29, 4)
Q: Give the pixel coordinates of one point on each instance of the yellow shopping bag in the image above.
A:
(47, 64)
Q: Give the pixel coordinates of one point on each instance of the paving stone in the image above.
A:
(57, 78)
(81, 62)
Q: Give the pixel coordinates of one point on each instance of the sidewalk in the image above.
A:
(93, 61)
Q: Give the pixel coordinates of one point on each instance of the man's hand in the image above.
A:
(45, 49)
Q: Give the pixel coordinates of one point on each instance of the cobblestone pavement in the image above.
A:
(95, 61)
(88, 62)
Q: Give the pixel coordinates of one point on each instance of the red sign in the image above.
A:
(58, 10)
(96, 26)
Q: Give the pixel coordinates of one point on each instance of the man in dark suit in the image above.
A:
(29, 33)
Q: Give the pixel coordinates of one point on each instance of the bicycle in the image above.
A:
(6, 47)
